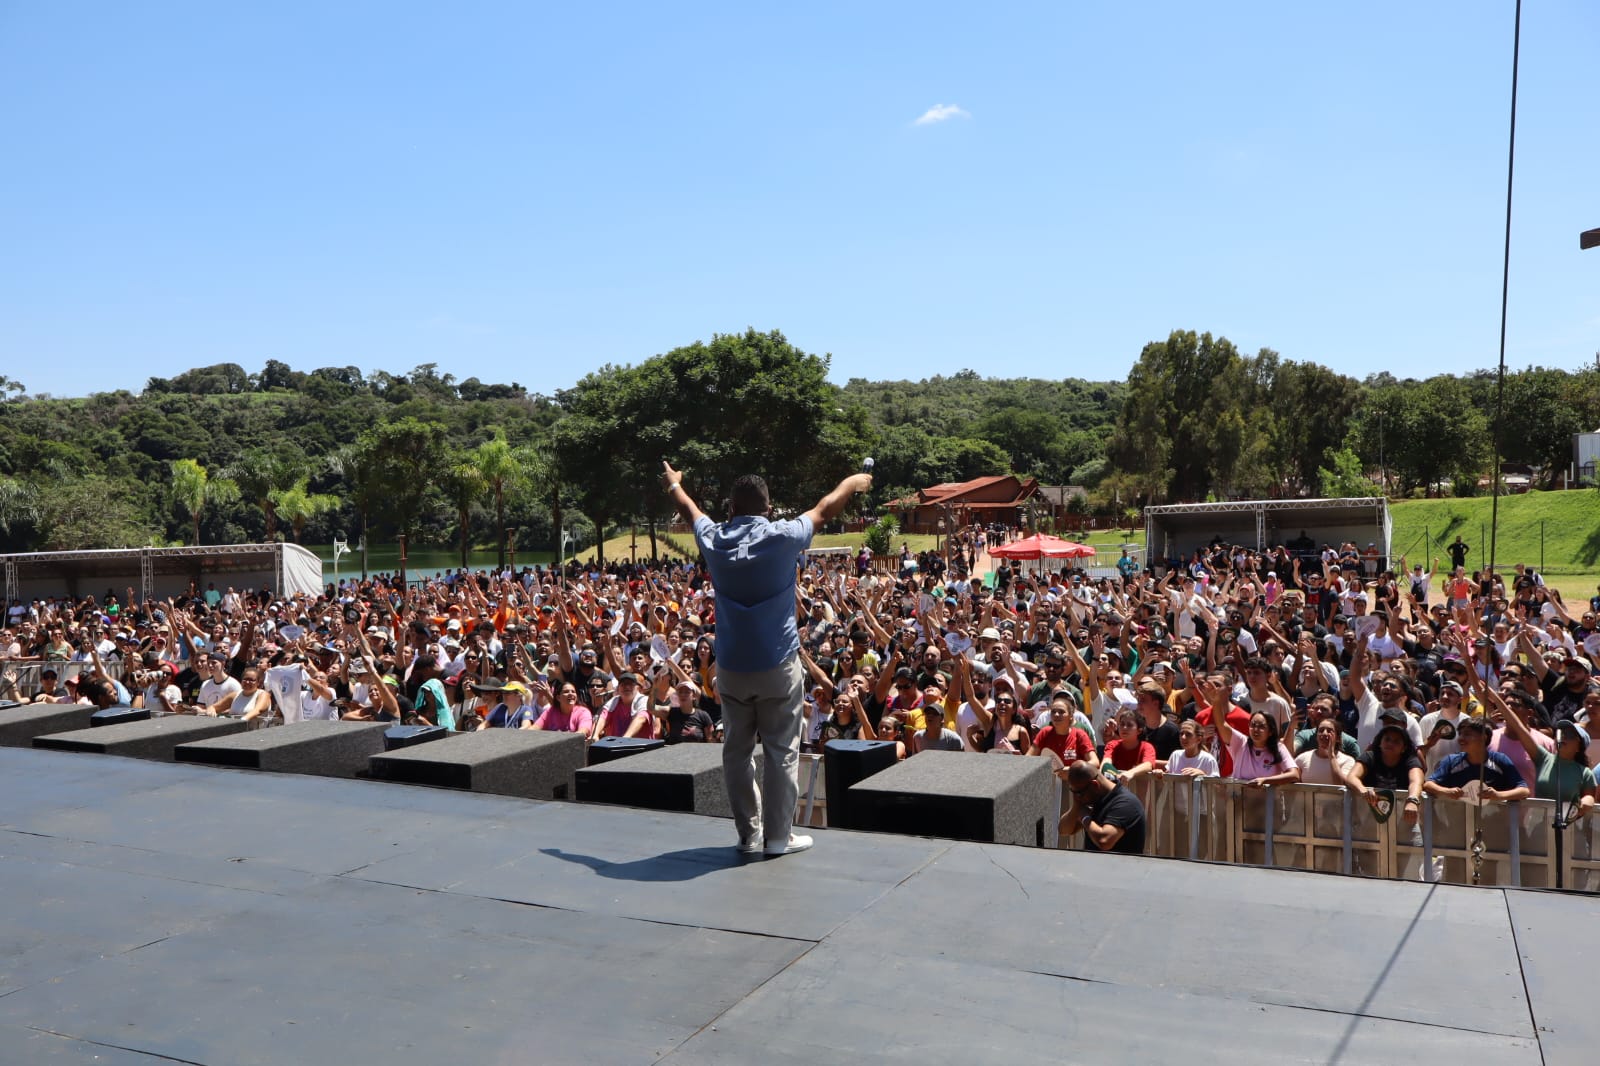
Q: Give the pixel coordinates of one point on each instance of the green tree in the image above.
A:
(358, 466)
(959, 459)
(260, 475)
(504, 471)
(464, 484)
(1032, 441)
(94, 512)
(1423, 433)
(193, 489)
(1345, 478)
(299, 504)
(410, 457)
(18, 504)
(880, 535)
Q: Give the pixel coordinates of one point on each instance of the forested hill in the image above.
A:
(951, 428)
(219, 455)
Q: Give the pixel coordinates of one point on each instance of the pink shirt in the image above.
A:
(558, 721)
(1507, 745)
(619, 718)
(1249, 764)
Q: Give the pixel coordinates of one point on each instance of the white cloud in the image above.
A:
(940, 112)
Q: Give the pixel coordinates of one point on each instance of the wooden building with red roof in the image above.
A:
(984, 499)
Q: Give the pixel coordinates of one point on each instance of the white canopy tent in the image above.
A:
(161, 572)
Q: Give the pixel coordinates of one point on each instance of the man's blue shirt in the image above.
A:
(1499, 773)
(753, 563)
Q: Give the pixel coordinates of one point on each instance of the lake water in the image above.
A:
(420, 564)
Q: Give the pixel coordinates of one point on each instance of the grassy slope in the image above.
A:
(1571, 534)
(1571, 525)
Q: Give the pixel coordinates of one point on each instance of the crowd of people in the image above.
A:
(1268, 667)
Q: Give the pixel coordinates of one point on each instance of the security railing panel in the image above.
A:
(1582, 848)
(1328, 829)
(28, 673)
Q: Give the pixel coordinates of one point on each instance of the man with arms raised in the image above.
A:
(760, 679)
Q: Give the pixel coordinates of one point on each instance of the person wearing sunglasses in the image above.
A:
(1110, 815)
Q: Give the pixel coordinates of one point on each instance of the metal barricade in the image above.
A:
(28, 673)
(1327, 828)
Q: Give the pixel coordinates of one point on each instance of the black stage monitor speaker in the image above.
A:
(847, 762)
(117, 714)
(405, 736)
(608, 748)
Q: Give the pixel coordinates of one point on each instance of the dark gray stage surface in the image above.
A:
(162, 912)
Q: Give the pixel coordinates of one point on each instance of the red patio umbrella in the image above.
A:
(1042, 546)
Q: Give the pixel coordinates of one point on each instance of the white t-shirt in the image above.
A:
(1315, 770)
(1178, 762)
(1385, 647)
(152, 698)
(1330, 673)
(1274, 705)
(966, 718)
(1442, 747)
(211, 691)
(1367, 725)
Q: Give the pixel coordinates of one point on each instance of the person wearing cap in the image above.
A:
(684, 720)
(50, 689)
(1389, 763)
(586, 673)
(1494, 771)
(160, 695)
(1390, 695)
(861, 648)
(1564, 690)
(935, 735)
(514, 711)
(1054, 677)
(627, 714)
(759, 675)
(1439, 725)
(1562, 775)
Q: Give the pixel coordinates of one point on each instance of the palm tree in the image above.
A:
(17, 503)
(298, 504)
(359, 467)
(506, 471)
(260, 475)
(464, 485)
(194, 488)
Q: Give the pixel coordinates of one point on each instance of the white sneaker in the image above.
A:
(751, 848)
(797, 842)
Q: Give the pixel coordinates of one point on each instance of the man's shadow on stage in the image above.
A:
(685, 865)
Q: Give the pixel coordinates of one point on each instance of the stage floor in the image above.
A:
(178, 913)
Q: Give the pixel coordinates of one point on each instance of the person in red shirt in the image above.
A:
(1124, 750)
(1237, 718)
(1065, 743)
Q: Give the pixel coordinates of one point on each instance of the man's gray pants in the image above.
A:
(767, 704)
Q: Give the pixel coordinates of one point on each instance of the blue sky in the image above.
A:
(526, 191)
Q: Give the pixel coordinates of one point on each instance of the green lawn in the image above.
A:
(1570, 522)
(618, 548)
(1558, 532)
